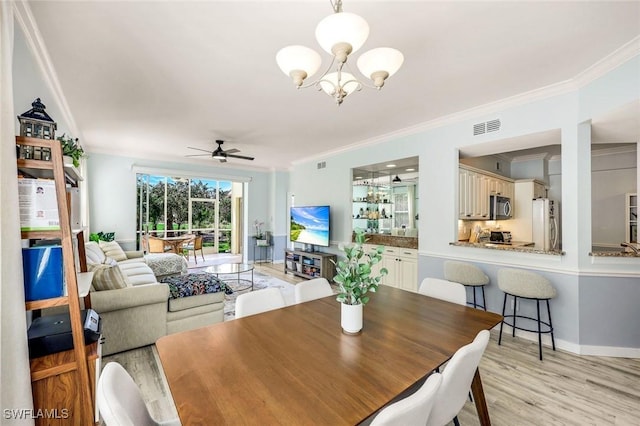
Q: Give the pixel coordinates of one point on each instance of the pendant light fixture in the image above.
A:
(340, 35)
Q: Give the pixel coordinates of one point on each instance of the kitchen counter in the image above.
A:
(391, 240)
(611, 253)
(516, 246)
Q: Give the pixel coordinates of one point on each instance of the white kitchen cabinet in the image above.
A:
(539, 189)
(631, 218)
(474, 189)
(502, 187)
(402, 267)
(463, 194)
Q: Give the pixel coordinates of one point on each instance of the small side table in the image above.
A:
(268, 253)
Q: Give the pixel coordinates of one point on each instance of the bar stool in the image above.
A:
(526, 285)
(469, 276)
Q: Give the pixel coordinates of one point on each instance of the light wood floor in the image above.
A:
(564, 389)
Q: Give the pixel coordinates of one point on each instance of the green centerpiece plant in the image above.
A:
(355, 277)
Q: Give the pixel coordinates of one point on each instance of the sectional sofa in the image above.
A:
(134, 307)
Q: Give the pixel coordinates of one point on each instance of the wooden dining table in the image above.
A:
(295, 366)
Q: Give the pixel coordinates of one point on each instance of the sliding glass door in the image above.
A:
(169, 206)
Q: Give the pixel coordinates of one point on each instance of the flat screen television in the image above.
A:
(310, 225)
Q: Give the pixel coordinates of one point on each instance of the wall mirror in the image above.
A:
(385, 197)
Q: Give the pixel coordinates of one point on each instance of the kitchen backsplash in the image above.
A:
(466, 227)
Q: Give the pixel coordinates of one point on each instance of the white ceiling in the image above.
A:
(149, 78)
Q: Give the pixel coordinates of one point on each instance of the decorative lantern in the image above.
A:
(36, 123)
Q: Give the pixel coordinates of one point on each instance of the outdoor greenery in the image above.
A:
(353, 274)
(177, 207)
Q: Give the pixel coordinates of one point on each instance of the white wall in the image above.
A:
(569, 178)
(112, 192)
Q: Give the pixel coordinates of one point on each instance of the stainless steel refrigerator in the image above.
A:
(545, 224)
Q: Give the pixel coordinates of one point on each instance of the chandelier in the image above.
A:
(339, 34)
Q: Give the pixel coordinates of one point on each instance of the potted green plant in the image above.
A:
(102, 236)
(71, 148)
(356, 278)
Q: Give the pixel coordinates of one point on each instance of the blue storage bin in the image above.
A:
(43, 274)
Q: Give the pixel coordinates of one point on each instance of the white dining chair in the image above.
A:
(444, 290)
(256, 302)
(119, 400)
(413, 410)
(456, 381)
(313, 289)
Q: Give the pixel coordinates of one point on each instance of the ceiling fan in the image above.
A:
(219, 153)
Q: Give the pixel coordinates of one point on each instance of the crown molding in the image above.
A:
(24, 17)
(503, 157)
(530, 157)
(630, 149)
(618, 57)
(610, 62)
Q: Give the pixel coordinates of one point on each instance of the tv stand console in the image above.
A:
(310, 264)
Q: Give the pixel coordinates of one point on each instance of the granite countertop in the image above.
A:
(392, 241)
(610, 253)
(520, 247)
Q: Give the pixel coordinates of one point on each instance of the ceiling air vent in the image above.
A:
(486, 127)
(493, 125)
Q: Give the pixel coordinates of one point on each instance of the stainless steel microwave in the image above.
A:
(499, 207)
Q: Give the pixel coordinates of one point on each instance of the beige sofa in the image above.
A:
(139, 314)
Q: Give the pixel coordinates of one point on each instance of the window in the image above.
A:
(172, 206)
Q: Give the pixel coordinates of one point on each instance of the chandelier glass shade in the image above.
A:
(330, 83)
(340, 35)
(298, 62)
(342, 28)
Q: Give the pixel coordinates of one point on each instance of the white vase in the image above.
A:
(351, 318)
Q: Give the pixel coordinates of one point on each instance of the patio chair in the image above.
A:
(194, 245)
(156, 245)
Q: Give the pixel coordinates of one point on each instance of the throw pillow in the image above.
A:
(109, 261)
(113, 250)
(107, 277)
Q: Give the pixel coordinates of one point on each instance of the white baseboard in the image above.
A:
(574, 348)
(610, 351)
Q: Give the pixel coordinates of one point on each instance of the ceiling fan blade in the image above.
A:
(199, 155)
(232, 150)
(199, 149)
(243, 157)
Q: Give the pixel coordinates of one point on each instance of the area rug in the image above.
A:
(260, 281)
